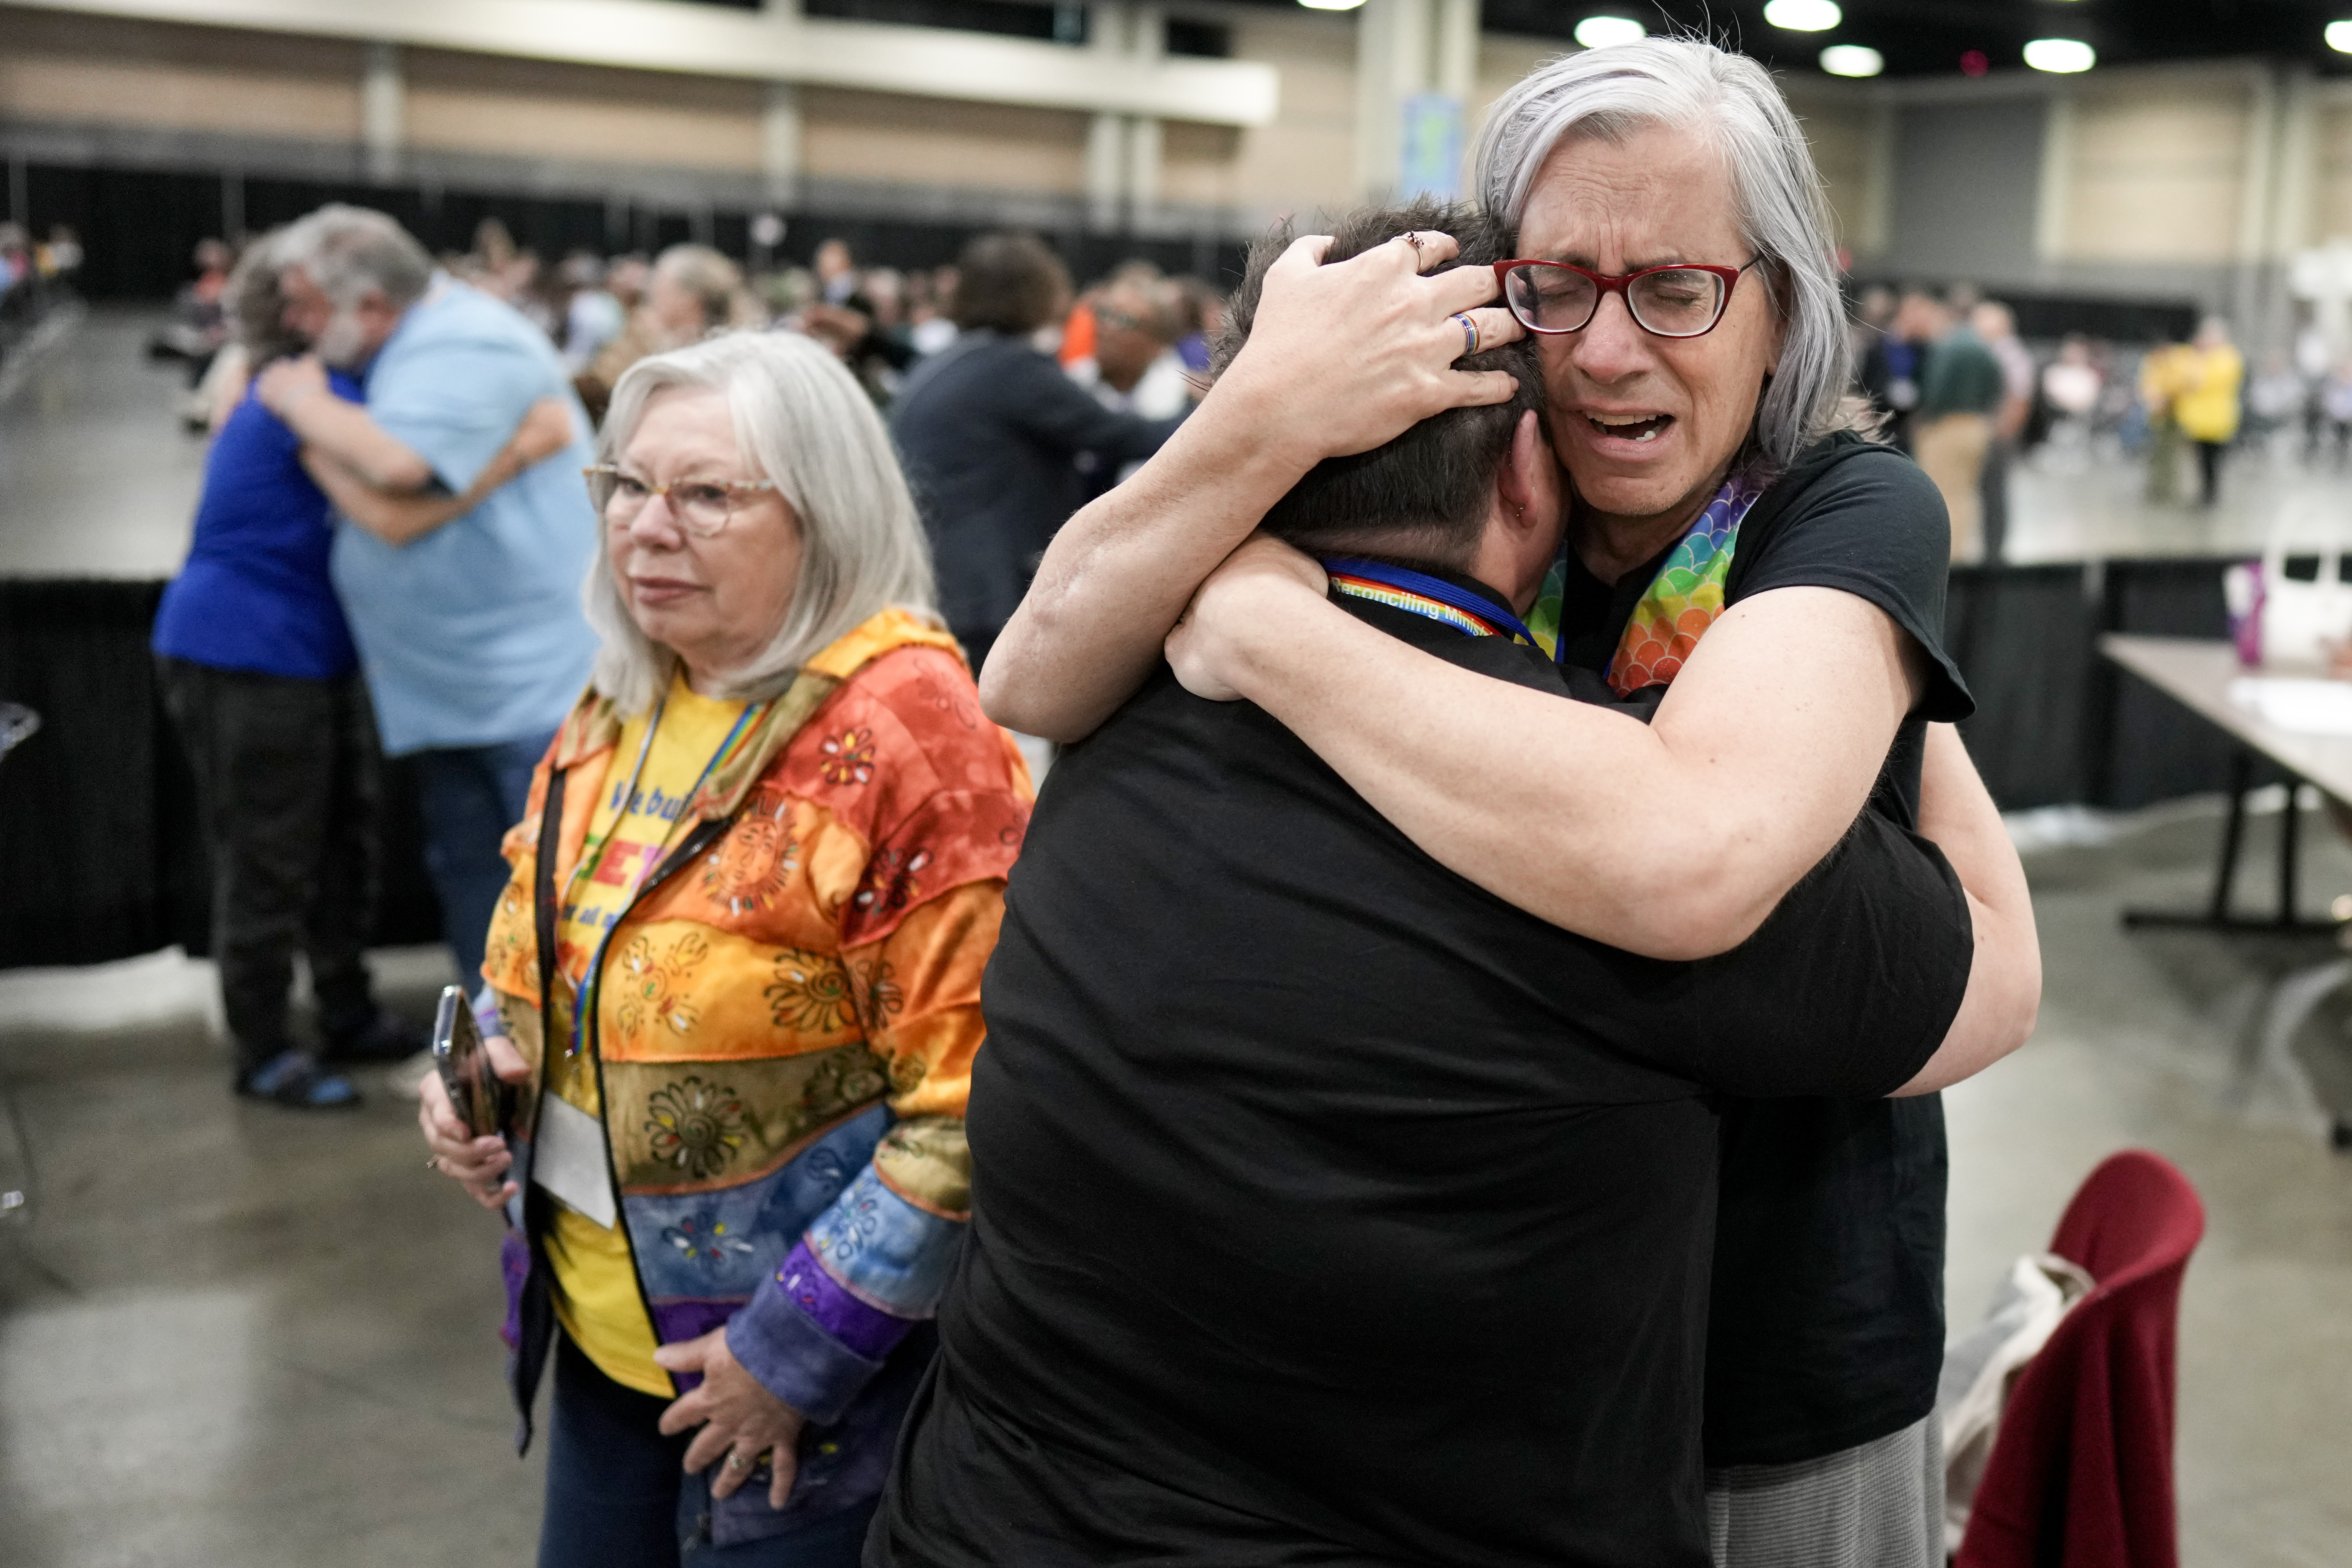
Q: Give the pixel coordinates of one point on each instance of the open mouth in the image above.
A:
(1630, 428)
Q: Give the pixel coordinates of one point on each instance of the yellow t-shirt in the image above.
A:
(596, 1294)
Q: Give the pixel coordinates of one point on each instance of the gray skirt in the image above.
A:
(1880, 1505)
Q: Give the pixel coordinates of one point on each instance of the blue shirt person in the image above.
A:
(471, 633)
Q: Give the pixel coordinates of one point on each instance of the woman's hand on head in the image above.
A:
(1343, 357)
(1259, 584)
(740, 1420)
(478, 1164)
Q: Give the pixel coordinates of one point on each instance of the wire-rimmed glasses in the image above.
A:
(1680, 299)
(703, 507)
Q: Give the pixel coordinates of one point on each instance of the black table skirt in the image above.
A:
(99, 856)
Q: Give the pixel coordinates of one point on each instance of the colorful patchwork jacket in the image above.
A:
(783, 1037)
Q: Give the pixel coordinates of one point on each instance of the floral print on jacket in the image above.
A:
(785, 1027)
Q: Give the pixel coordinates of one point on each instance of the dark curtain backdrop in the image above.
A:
(99, 853)
(101, 857)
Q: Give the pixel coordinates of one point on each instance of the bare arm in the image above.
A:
(401, 520)
(295, 391)
(1340, 359)
(2004, 992)
(1673, 839)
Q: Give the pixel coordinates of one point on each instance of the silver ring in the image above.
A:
(1469, 333)
(736, 1461)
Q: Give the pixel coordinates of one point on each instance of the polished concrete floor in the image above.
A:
(231, 1335)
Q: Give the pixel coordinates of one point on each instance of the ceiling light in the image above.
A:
(1804, 16)
(1852, 59)
(2061, 54)
(1330, 4)
(2339, 36)
(1602, 32)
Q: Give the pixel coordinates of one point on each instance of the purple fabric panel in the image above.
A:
(677, 1321)
(864, 1328)
(514, 1265)
(796, 1361)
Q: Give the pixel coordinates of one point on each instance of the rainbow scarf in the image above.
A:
(1681, 601)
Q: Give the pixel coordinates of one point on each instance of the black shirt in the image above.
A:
(1329, 1209)
(988, 430)
(1827, 1325)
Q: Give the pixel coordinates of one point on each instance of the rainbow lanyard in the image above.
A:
(583, 996)
(1419, 593)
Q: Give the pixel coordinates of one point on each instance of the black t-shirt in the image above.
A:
(1329, 1209)
(1827, 1324)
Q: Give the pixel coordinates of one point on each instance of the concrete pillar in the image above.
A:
(1395, 58)
(1875, 221)
(1147, 43)
(1456, 69)
(2053, 198)
(384, 112)
(780, 143)
(2250, 291)
(1106, 161)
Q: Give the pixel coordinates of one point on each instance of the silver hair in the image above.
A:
(801, 420)
(348, 251)
(1784, 215)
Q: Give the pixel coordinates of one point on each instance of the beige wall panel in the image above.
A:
(1503, 60)
(2331, 196)
(55, 66)
(882, 136)
(1197, 162)
(2157, 173)
(1305, 160)
(534, 109)
(1839, 127)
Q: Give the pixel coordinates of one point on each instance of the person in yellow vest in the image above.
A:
(736, 974)
(2208, 373)
(2161, 374)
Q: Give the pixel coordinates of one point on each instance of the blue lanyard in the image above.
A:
(1419, 593)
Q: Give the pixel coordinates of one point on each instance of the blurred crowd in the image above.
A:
(35, 275)
(1958, 388)
(1136, 339)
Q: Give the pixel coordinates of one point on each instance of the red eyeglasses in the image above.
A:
(1680, 299)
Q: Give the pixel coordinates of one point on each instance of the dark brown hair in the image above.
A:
(1421, 498)
(1008, 283)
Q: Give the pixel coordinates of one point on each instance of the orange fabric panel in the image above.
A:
(918, 993)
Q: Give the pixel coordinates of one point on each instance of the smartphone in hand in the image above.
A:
(481, 1098)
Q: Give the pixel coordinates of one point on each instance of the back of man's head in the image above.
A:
(1422, 497)
(346, 251)
(1009, 283)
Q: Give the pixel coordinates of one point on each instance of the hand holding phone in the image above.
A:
(476, 1091)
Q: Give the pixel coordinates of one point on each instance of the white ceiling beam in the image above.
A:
(709, 40)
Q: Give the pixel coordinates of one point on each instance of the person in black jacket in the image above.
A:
(992, 432)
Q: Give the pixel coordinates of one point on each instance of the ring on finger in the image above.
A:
(736, 1460)
(1469, 332)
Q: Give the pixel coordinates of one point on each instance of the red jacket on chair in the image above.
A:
(2081, 1475)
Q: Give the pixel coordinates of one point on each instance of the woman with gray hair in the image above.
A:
(1674, 259)
(736, 979)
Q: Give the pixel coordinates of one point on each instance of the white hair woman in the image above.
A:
(739, 965)
(1732, 540)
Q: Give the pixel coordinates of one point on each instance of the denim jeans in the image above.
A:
(617, 1498)
(470, 796)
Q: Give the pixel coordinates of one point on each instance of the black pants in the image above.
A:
(616, 1496)
(2209, 470)
(286, 778)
